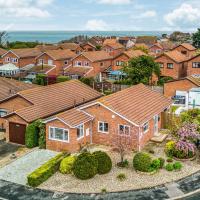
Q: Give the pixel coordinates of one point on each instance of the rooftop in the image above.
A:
(95, 56)
(61, 54)
(26, 52)
(176, 56)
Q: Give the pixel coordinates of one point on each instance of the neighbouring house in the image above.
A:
(76, 48)
(43, 102)
(186, 49)
(2, 52)
(9, 88)
(88, 47)
(148, 40)
(97, 40)
(89, 64)
(109, 41)
(113, 48)
(55, 61)
(126, 113)
(124, 57)
(193, 65)
(45, 47)
(21, 57)
(172, 64)
(171, 88)
(156, 48)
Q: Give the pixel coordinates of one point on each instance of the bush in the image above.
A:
(31, 135)
(121, 177)
(123, 164)
(67, 164)
(60, 79)
(169, 167)
(104, 162)
(45, 171)
(177, 166)
(142, 162)
(162, 162)
(169, 160)
(155, 165)
(85, 166)
(169, 148)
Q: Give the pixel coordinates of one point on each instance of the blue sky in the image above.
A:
(114, 15)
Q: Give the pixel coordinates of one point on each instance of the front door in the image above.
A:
(156, 125)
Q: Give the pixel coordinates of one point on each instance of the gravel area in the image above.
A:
(134, 180)
(18, 170)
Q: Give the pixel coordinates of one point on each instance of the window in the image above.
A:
(184, 52)
(66, 62)
(50, 62)
(124, 130)
(86, 63)
(3, 112)
(170, 65)
(41, 61)
(14, 60)
(78, 63)
(161, 65)
(80, 131)
(146, 127)
(103, 127)
(101, 64)
(196, 65)
(59, 134)
(119, 63)
(7, 59)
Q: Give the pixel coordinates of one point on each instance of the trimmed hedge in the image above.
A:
(32, 135)
(67, 164)
(85, 166)
(104, 162)
(142, 162)
(45, 171)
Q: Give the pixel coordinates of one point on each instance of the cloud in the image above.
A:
(185, 16)
(114, 1)
(147, 14)
(96, 25)
(24, 8)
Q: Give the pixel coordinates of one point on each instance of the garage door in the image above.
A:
(17, 133)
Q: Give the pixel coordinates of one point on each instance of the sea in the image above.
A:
(56, 36)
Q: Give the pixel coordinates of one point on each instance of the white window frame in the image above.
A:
(196, 65)
(77, 63)
(170, 64)
(86, 63)
(41, 61)
(100, 131)
(82, 128)
(14, 60)
(50, 138)
(125, 126)
(161, 65)
(50, 62)
(146, 125)
(7, 59)
(3, 112)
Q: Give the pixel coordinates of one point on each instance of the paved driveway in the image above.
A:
(18, 170)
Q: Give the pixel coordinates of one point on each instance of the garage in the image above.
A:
(17, 133)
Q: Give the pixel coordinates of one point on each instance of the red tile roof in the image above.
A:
(2, 51)
(81, 71)
(71, 46)
(134, 53)
(26, 52)
(188, 46)
(61, 54)
(95, 56)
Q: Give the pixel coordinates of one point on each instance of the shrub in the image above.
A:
(155, 165)
(162, 162)
(121, 177)
(45, 171)
(104, 162)
(177, 166)
(31, 135)
(103, 190)
(169, 167)
(169, 160)
(123, 164)
(85, 166)
(169, 148)
(67, 164)
(142, 162)
(60, 79)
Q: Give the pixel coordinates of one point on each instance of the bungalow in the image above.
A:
(124, 57)
(89, 64)
(193, 65)
(126, 113)
(42, 102)
(186, 49)
(21, 57)
(57, 60)
(88, 47)
(2, 52)
(76, 48)
(113, 48)
(172, 64)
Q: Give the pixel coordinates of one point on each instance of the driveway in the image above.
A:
(18, 170)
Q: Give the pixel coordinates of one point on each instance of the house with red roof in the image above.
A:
(186, 49)
(113, 48)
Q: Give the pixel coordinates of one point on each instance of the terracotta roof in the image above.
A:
(71, 46)
(26, 52)
(53, 99)
(9, 87)
(115, 45)
(41, 69)
(167, 45)
(96, 56)
(194, 79)
(81, 71)
(2, 51)
(188, 46)
(134, 53)
(109, 41)
(149, 40)
(47, 47)
(158, 45)
(137, 103)
(176, 56)
(74, 117)
(61, 54)
(141, 45)
(87, 43)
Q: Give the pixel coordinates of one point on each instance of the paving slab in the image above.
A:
(173, 190)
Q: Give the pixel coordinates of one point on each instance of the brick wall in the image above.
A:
(191, 70)
(182, 49)
(122, 58)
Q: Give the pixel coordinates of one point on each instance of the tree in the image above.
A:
(3, 38)
(196, 38)
(142, 48)
(141, 69)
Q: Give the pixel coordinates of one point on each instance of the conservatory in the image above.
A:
(9, 70)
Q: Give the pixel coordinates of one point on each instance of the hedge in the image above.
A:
(67, 164)
(45, 171)
(32, 135)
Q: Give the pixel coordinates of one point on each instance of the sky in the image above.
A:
(100, 15)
